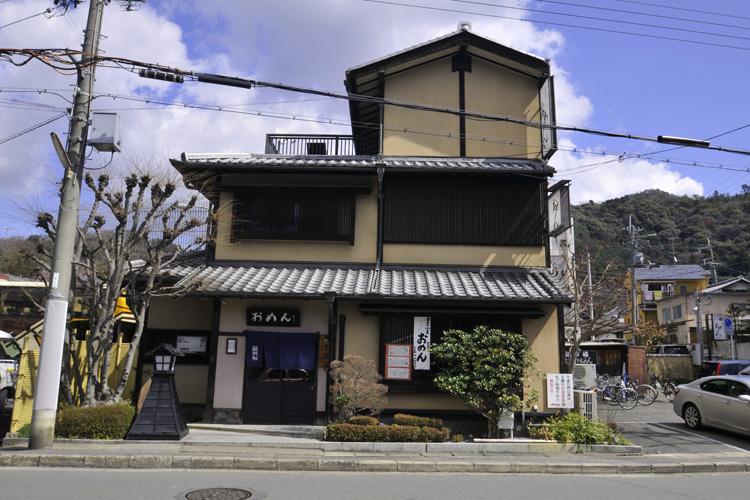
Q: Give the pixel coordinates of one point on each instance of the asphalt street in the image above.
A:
(658, 430)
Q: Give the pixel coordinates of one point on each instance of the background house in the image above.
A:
(374, 244)
(657, 283)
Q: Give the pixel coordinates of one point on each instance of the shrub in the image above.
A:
(355, 387)
(24, 431)
(363, 420)
(403, 419)
(95, 422)
(385, 433)
(575, 428)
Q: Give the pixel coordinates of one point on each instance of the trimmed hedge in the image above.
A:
(363, 420)
(95, 422)
(385, 433)
(403, 419)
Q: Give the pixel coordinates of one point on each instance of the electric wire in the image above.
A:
(645, 14)
(32, 128)
(48, 11)
(683, 9)
(616, 157)
(49, 56)
(564, 25)
(592, 18)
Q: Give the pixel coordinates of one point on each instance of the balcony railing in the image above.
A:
(326, 145)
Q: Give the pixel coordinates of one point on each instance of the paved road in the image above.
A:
(658, 430)
(88, 484)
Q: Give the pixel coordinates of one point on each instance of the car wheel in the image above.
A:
(692, 416)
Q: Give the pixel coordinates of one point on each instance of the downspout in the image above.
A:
(332, 307)
(380, 164)
(379, 250)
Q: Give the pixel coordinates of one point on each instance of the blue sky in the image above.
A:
(675, 81)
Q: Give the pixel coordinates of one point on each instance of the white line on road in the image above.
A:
(701, 436)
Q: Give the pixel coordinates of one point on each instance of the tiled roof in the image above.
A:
(249, 161)
(436, 41)
(391, 282)
(677, 272)
(739, 284)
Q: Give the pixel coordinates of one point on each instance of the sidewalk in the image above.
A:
(298, 448)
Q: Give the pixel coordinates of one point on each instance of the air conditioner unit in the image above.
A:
(585, 403)
(584, 375)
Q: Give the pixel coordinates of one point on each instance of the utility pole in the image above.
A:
(712, 262)
(56, 310)
(591, 287)
(633, 284)
(699, 327)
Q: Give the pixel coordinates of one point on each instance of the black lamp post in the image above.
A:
(160, 417)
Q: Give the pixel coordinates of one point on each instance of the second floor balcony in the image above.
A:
(324, 145)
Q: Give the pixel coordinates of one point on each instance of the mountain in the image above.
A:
(669, 226)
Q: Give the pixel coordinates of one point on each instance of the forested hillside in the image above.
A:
(670, 226)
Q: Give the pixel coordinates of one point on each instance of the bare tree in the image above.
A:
(355, 387)
(135, 228)
(591, 310)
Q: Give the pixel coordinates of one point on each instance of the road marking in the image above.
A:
(701, 436)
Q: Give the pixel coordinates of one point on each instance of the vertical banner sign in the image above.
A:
(422, 334)
(547, 103)
(720, 332)
(398, 362)
(560, 390)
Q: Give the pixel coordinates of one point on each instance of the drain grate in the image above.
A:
(218, 494)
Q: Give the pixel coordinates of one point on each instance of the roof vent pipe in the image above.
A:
(464, 26)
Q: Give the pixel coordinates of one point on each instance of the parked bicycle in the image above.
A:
(667, 388)
(612, 392)
(646, 393)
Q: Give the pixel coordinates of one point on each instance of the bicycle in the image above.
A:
(646, 393)
(615, 394)
(667, 389)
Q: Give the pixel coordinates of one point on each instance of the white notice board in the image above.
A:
(560, 390)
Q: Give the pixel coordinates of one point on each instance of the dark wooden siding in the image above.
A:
(476, 211)
(294, 215)
(399, 329)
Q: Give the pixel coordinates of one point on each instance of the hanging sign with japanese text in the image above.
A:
(398, 361)
(720, 331)
(191, 345)
(560, 390)
(273, 317)
(422, 338)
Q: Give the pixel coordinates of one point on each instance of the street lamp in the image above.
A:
(160, 416)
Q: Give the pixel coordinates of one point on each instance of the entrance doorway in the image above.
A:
(280, 378)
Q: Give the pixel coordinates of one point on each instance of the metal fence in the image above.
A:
(190, 240)
(325, 145)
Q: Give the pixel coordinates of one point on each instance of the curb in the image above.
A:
(360, 465)
(517, 447)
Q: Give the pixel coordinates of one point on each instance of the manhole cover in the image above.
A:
(218, 494)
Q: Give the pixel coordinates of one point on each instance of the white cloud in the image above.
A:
(597, 178)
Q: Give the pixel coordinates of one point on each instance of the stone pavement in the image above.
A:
(299, 448)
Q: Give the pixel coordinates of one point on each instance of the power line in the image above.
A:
(617, 157)
(645, 14)
(32, 128)
(54, 58)
(536, 21)
(683, 9)
(591, 18)
(48, 11)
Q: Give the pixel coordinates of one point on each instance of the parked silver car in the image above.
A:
(721, 402)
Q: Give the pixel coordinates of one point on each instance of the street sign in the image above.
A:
(729, 326)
